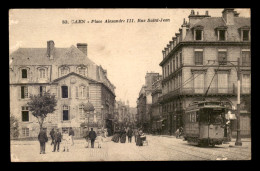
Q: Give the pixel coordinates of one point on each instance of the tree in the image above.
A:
(14, 127)
(41, 105)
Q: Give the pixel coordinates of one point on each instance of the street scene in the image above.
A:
(130, 84)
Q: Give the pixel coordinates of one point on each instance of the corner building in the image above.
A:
(198, 56)
(71, 76)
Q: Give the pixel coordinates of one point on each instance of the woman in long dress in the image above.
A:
(116, 136)
(123, 136)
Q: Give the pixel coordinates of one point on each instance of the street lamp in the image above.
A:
(88, 107)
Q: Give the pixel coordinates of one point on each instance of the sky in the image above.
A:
(127, 50)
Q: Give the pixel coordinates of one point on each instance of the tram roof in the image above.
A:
(206, 104)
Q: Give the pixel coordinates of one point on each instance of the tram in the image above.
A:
(204, 123)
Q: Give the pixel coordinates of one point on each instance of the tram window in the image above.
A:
(204, 117)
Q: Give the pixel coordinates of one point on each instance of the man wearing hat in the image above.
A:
(57, 140)
(42, 137)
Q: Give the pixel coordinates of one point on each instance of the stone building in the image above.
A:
(71, 76)
(156, 118)
(144, 102)
(188, 66)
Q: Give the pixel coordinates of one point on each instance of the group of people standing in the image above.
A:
(120, 135)
(92, 136)
(67, 138)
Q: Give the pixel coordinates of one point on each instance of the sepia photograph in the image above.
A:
(114, 84)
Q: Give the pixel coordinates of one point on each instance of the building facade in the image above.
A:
(156, 117)
(71, 76)
(197, 60)
(144, 102)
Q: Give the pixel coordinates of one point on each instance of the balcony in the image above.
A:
(231, 91)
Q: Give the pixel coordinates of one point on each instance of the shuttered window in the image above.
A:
(24, 92)
(81, 112)
(198, 83)
(246, 84)
(246, 58)
(222, 83)
(198, 57)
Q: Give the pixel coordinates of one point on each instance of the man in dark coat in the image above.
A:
(52, 136)
(42, 137)
(57, 140)
(129, 135)
(92, 137)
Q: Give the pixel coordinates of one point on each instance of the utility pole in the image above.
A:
(238, 140)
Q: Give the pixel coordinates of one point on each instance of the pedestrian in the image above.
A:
(123, 135)
(116, 136)
(92, 136)
(52, 135)
(66, 141)
(177, 133)
(57, 140)
(99, 138)
(139, 141)
(129, 135)
(136, 134)
(86, 136)
(71, 134)
(42, 137)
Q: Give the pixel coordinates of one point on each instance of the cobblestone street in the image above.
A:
(162, 148)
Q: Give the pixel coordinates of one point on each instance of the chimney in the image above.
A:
(83, 47)
(50, 48)
(228, 15)
(184, 29)
(193, 19)
(163, 52)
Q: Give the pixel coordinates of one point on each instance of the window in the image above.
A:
(82, 91)
(42, 90)
(198, 57)
(25, 114)
(64, 71)
(24, 73)
(25, 132)
(171, 67)
(222, 57)
(199, 83)
(246, 84)
(222, 35)
(245, 35)
(81, 112)
(24, 92)
(65, 113)
(173, 64)
(222, 83)
(180, 59)
(168, 69)
(177, 64)
(42, 73)
(198, 34)
(64, 91)
(246, 58)
(82, 71)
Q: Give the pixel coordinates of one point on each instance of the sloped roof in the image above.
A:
(211, 23)
(76, 74)
(38, 56)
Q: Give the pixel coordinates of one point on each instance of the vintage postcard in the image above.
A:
(130, 84)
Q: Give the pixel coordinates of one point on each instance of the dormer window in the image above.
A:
(82, 70)
(64, 71)
(222, 35)
(198, 35)
(245, 35)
